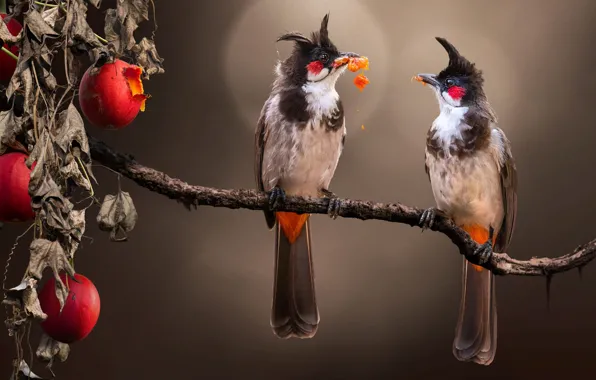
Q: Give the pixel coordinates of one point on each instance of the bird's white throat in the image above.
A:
(450, 124)
(321, 95)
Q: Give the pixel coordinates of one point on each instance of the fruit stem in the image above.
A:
(45, 4)
(99, 38)
(63, 7)
(6, 51)
(92, 192)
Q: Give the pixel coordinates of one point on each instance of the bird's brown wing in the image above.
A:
(508, 173)
(260, 141)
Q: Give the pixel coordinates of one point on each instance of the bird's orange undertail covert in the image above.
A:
(480, 235)
(291, 224)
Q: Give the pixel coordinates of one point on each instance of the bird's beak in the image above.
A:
(344, 58)
(428, 79)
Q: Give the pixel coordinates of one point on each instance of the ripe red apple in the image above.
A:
(80, 312)
(15, 202)
(112, 96)
(7, 63)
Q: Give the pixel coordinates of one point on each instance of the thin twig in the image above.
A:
(193, 196)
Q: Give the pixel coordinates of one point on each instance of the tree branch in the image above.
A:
(193, 196)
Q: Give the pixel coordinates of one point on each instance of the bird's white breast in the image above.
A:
(468, 188)
(316, 150)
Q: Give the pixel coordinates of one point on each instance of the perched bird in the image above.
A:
(298, 141)
(474, 180)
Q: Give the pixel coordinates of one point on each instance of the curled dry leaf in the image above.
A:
(117, 215)
(22, 80)
(44, 254)
(72, 170)
(77, 229)
(6, 36)
(147, 57)
(76, 26)
(51, 15)
(24, 296)
(49, 349)
(23, 372)
(73, 144)
(38, 27)
(11, 127)
(48, 202)
(17, 7)
(120, 23)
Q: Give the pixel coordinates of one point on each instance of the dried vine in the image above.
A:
(39, 118)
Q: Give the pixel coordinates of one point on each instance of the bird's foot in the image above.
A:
(428, 218)
(483, 254)
(334, 203)
(276, 197)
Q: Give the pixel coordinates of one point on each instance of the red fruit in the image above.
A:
(7, 63)
(112, 96)
(80, 312)
(15, 202)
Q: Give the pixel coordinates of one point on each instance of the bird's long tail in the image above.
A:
(294, 312)
(476, 331)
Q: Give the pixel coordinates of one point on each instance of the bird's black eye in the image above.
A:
(324, 57)
(450, 82)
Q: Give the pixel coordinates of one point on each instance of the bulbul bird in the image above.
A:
(474, 179)
(299, 138)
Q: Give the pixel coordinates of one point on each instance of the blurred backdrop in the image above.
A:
(189, 295)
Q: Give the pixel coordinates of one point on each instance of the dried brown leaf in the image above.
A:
(77, 27)
(17, 7)
(121, 23)
(77, 223)
(22, 80)
(72, 170)
(10, 128)
(38, 27)
(6, 36)
(51, 15)
(44, 254)
(24, 296)
(52, 206)
(117, 214)
(24, 372)
(72, 129)
(147, 57)
(112, 29)
(74, 67)
(49, 349)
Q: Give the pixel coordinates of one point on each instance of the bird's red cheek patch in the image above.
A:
(456, 92)
(315, 67)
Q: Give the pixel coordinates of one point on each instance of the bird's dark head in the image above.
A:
(313, 59)
(459, 84)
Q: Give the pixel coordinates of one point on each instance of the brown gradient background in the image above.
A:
(189, 295)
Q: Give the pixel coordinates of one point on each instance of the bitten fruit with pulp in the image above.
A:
(111, 96)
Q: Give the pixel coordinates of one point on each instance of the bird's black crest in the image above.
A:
(459, 66)
(319, 38)
(306, 50)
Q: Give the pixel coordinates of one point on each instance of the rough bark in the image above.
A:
(193, 196)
